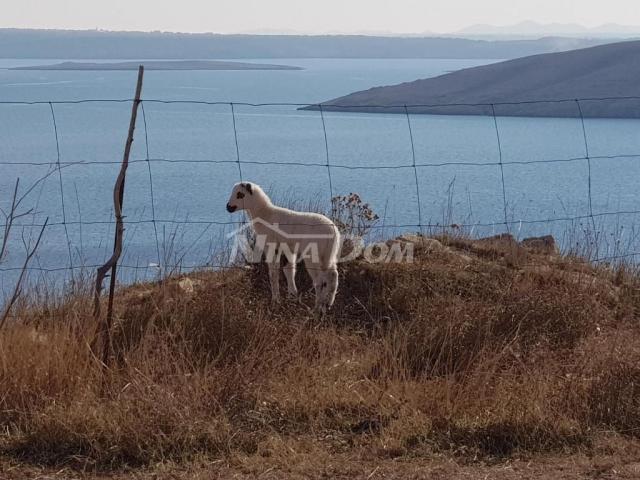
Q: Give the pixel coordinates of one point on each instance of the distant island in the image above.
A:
(160, 65)
(604, 71)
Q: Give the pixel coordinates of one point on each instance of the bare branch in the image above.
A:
(17, 291)
(13, 213)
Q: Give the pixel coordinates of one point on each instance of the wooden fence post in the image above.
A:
(111, 264)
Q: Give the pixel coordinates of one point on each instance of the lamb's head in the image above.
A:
(247, 196)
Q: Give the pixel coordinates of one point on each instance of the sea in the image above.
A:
(62, 136)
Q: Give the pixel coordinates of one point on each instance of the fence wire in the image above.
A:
(331, 168)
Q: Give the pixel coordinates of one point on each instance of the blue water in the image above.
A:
(203, 135)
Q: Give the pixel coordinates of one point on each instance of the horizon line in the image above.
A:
(459, 33)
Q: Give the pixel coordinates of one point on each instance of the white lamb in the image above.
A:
(308, 236)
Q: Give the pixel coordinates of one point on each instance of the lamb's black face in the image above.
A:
(237, 199)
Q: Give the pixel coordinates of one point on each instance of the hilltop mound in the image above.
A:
(485, 349)
(598, 72)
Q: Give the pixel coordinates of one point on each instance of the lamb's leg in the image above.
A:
(331, 277)
(317, 277)
(274, 277)
(290, 274)
(326, 289)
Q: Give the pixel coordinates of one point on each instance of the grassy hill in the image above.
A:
(479, 355)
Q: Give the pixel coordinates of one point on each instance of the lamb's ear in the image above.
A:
(249, 188)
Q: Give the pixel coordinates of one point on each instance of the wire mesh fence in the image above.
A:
(573, 177)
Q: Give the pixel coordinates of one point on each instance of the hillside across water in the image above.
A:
(540, 85)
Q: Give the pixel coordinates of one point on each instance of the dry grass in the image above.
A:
(478, 350)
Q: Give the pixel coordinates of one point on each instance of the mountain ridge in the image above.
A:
(530, 28)
(96, 44)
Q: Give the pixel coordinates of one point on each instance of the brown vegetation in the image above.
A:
(477, 350)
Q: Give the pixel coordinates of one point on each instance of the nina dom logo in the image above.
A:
(250, 247)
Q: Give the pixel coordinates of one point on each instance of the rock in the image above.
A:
(545, 244)
(429, 244)
(501, 238)
(38, 337)
(432, 245)
(351, 248)
(186, 285)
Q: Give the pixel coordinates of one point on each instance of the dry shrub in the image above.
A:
(37, 365)
(503, 438)
(166, 403)
(628, 307)
(218, 323)
(400, 291)
(188, 362)
(447, 336)
(132, 429)
(613, 397)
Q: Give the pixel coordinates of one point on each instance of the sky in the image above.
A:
(307, 16)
